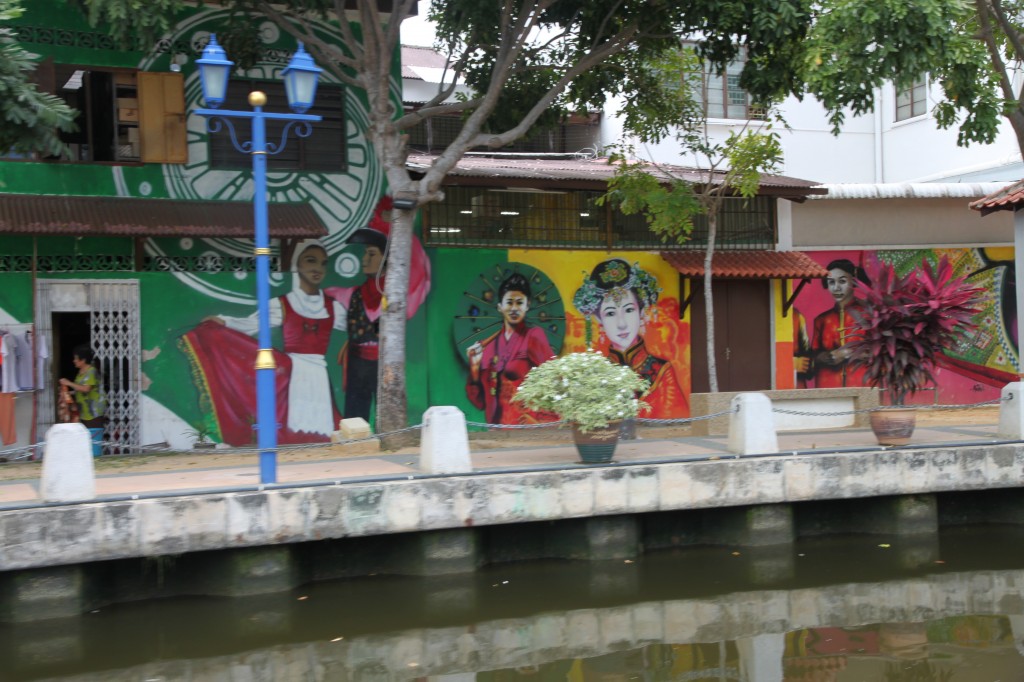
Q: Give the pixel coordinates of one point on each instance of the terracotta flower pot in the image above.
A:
(893, 426)
(596, 446)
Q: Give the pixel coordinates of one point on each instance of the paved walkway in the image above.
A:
(21, 493)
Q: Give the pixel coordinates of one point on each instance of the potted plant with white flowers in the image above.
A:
(591, 394)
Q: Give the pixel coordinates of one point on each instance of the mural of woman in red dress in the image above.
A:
(223, 351)
(621, 297)
(832, 328)
(498, 364)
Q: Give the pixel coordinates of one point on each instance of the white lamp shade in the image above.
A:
(300, 80)
(214, 70)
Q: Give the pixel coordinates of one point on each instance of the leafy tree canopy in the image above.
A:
(967, 46)
(30, 120)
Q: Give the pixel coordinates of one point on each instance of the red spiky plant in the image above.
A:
(906, 322)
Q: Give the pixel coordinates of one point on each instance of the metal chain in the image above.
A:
(541, 425)
(684, 420)
(29, 450)
(880, 408)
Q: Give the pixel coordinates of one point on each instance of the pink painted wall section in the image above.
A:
(808, 336)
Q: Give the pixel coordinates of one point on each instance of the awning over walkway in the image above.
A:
(746, 264)
(32, 214)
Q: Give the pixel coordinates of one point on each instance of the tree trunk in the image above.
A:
(709, 306)
(391, 390)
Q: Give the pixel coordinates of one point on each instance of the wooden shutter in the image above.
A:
(162, 117)
(44, 76)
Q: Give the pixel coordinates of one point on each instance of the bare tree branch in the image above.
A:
(988, 37)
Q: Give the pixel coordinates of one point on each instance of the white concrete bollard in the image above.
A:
(752, 427)
(1011, 411)
(444, 441)
(68, 474)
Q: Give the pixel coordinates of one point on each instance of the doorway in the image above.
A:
(69, 330)
(105, 315)
(743, 341)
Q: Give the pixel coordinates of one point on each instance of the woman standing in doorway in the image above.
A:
(92, 406)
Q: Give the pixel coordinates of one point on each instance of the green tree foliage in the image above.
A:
(528, 61)
(969, 47)
(30, 120)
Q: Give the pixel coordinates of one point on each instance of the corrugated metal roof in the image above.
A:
(747, 264)
(551, 169)
(129, 217)
(415, 57)
(1006, 198)
(908, 190)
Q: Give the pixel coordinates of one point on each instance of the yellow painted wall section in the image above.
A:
(665, 335)
(784, 373)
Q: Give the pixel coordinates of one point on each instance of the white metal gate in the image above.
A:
(115, 333)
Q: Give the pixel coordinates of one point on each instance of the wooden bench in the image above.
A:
(799, 399)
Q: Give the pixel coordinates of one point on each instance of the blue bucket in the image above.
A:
(97, 441)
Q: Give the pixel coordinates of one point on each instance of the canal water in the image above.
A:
(946, 608)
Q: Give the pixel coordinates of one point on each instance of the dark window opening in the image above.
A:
(107, 121)
(323, 150)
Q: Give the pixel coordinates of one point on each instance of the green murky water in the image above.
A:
(947, 608)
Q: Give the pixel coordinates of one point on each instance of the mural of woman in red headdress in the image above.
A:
(365, 303)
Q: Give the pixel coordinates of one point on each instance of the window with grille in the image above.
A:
(912, 100)
(525, 218)
(323, 150)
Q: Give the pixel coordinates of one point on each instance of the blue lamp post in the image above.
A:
(300, 78)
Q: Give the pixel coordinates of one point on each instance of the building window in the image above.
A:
(108, 112)
(722, 94)
(912, 100)
(323, 150)
(123, 116)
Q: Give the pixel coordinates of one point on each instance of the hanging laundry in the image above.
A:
(23, 353)
(8, 350)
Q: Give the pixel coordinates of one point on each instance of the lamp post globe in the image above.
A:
(214, 70)
(300, 80)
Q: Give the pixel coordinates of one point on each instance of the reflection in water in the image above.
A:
(850, 610)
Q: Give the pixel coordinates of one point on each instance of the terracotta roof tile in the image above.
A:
(130, 217)
(1009, 198)
(747, 264)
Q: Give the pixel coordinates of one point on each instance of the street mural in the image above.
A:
(308, 377)
(623, 299)
(513, 316)
(512, 319)
(975, 370)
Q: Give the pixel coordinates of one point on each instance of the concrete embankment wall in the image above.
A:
(57, 561)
